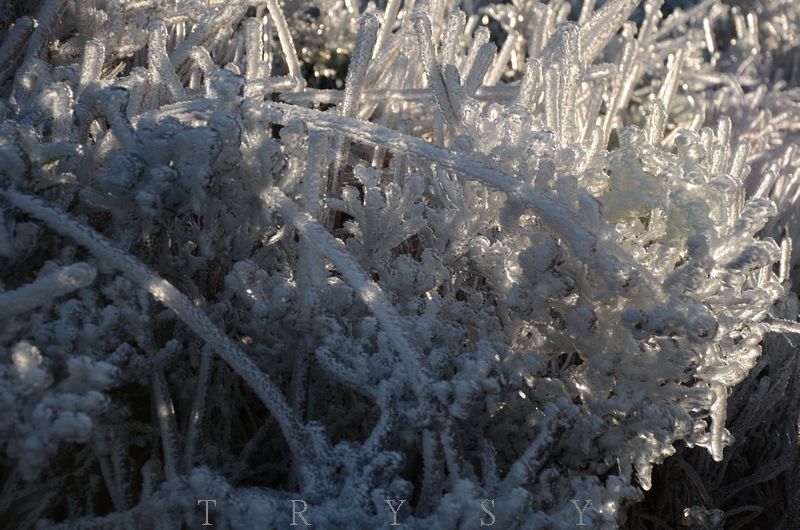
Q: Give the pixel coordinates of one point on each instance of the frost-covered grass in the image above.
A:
(525, 265)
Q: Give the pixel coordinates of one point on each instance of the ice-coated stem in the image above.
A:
(287, 44)
(46, 289)
(13, 44)
(552, 214)
(422, 26)
(159, 62)
(603, 24)
(719, 410)
(198, 409)
(166, 293)
(364, 46)
(369, 292)
(46, 18)
(92, 65)
(165, 413)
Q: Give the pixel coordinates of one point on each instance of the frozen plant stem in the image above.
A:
(46, 289)
(553, 235)
(198, 409)
(603, 24)
(165, 412)
(558, 218)
(45, 20)
(367, 290)
(364, 46)
(13, 43)
(422, 27)
(718, 412)
(287, 44)
(163, 291)
(159, 62)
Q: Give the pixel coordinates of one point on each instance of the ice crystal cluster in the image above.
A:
(435, 264)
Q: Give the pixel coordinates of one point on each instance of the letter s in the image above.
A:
(485, 509)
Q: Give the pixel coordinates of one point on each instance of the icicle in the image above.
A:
(60, 103)
(238, 50)
(785, 326)
(313, 173)
(541, 31)
(120, 466)
(298, 389)
(115, 106)
(114, 490)
(469, 29)
(562, 12)
(267, 47)
(788, 155)
(405, 127)
(138, 88)
(786, 258)
(385, 427)
(433, 473)
(706, 140)
(489, 467)
(738, 164)
(311, 271)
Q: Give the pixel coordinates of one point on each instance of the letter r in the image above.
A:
(300, 513)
